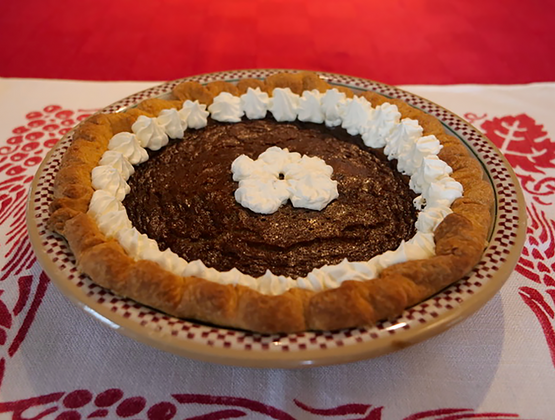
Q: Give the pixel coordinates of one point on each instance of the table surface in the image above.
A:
(56, 362)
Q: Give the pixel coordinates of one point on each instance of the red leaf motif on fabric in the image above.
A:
(433, 414)
(108, 397)
(69, 415)
(539, 249)
(81, 403)
(131, 406)
(24, 284)
(536, 264)
(30, 315)
(542, 191)
(251, 405)
(5, 315)
(18, 408)
(162, 411)
(522, 141)
(43, 130)
(2, 369)
(460, 414)
(545, 313)
(375, 414)
(13, 192)
(98, 414)
(19, 156)
(219, 415)
(336, 411)
(5, 321)
(78, 398)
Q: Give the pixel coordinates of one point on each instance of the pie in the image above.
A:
(275, 206)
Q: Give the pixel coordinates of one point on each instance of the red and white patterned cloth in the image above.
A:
(58, 363)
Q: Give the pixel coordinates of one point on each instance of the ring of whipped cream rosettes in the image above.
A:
(402, 139)
(451, 228)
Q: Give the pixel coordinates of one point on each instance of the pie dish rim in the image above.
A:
(426, 331)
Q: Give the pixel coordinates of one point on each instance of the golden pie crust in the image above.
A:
(460, 239)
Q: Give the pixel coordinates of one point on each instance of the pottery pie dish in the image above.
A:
(278, 205)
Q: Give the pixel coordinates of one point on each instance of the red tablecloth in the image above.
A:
(396, 41)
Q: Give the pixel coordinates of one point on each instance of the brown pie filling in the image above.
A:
(183, 197)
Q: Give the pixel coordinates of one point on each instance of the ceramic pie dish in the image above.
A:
(232, 346)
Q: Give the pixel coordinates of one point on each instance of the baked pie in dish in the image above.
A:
(276, 205)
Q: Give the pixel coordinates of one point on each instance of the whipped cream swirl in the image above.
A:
(333, 105)
(310, 107)
(356, 114)
(194, 114)
(171, 123)
(255, 103)
(117, 161)
(108, 212)
(378, 129)
(108, 178)
(150, 133)
(128, 145)
(226, 108)
(284, 104)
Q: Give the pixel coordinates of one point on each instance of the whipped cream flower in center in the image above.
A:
(278, 175)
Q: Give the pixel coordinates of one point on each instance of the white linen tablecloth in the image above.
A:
(56, 362)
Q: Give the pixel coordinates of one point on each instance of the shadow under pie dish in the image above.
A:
(351, 298)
